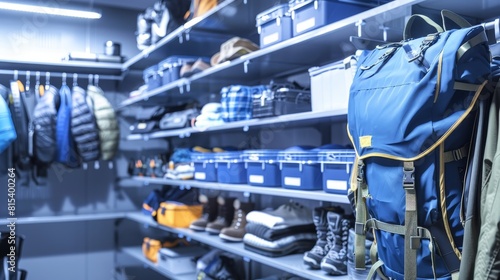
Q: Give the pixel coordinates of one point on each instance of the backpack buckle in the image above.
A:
(408, 175)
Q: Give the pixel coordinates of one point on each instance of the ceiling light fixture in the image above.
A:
(50, 10)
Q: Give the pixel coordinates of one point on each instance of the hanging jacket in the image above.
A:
(109, 132)
(487, 265)
(44, 123)
(22, 148)
(7, 129)
(84, 127)
(66, 153)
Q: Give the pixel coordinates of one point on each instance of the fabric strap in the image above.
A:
(471, 43)
(411, 235)
(409, 25)
(456, 155)
(361, 216)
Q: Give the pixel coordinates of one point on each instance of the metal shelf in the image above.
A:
(312, 195)
(136, 253)
(292, 263)
(226, 20)
(65, 218)
(79, 67)
(307, 117)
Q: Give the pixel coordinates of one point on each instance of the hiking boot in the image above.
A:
(209, 213)
(236, 230)
(335, 261)
(313, 257)
(226, 214)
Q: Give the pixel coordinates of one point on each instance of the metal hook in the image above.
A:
(28, 77)
(96, 80)
(90, 79)
(64, 76)
(16, 75)
(37, 79)
(75, 79)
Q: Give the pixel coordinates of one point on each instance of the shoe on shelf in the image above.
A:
(226, 214)
(313, 257)
(236, 230)
(335, 261)
(209, 212)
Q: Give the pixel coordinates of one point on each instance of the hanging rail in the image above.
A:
(62, 74)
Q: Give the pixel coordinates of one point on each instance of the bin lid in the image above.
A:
(177, 60)
(233, 156)
(151, 71)
(202, 157)
(337, 156)
(268, 156)
(273, 13)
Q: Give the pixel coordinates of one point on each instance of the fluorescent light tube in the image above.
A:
(50, 10)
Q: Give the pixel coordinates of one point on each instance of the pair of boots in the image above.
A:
(330, 251)
(223, 216)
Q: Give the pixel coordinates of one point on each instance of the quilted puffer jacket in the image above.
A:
(109, 132)
(7, 129)
(44, 122)
(84, 127)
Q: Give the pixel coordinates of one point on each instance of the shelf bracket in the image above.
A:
(181, 39)
(188, 86)
(245, 66)
(181, 89)
(97, 166)
(187, 34)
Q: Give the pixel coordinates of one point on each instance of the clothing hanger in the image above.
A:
(16, 75)
(96, 80)
(64, 76)
(75, 79)
(91, 77)
(47, 80)
(28, 82)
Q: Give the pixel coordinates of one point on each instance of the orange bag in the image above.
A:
(150, 248)
(200, 7)
(178, 215)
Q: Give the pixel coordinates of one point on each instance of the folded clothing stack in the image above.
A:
(211, 115)
(180, 166)
(286, 230)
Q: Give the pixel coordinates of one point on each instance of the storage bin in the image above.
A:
(152, 78)
(281, 101)
(204, 167)
(336, 168)
(300, 170)
(180, 260)
(262, 168)
(311, 14)
(170, 67)
(330, 84)
(178, 215)
(274, 25)
(230, 168)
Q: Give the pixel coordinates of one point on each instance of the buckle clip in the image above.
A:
(359, 228)
(408, 175)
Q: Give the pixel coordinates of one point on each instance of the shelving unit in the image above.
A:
(318, 195)
(136, 253)
(113, 70)
(292, 263)
(300, 118)
(327, 43)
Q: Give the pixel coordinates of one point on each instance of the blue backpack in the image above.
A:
(410, 119)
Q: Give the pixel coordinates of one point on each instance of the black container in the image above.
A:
(281, 101)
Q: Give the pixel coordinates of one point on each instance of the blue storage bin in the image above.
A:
(152, 78)
(231, 168)
(204, 167)
(170, 67)
(336, 167)
(300, 170)
(311, 14)
(263, 168)
(274, 25)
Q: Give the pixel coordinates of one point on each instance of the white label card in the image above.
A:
(257, 179)
(306, 24)
(292, 181)
(200, 175)
(271, 38)
(336, 185)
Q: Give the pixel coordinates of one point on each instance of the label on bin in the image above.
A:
(336, 185)
(271, 38)
(306, 24)
(200, 176)
(257, 179)
(292, 181)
